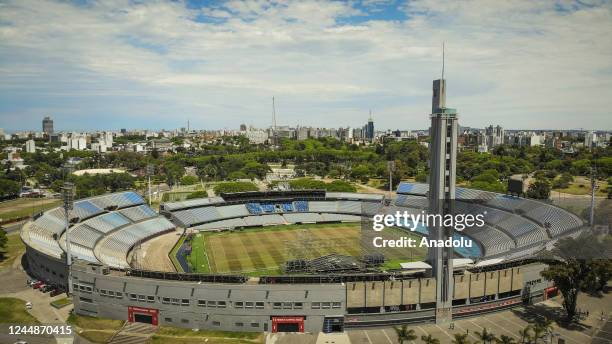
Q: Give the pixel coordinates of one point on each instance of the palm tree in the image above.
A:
(525, 334)
(461, 338)
(505, 340)
(539, 332)
(403, 333)
(485, 336)
(429, 339)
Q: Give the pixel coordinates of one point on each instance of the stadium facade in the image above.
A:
(105, 229)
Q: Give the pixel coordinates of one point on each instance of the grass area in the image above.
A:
(167, 334)
(582, 186)
(24, 207)
(60, 303)
(12, 311)
(96, 336)
(92, 323)
(172, 254)
(14, 249)
(264, 250)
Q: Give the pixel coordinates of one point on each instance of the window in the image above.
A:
(118, 295)
(297, 305)
(202, 303)
(254, 324)
(221, 304)
(336, 304)
(216, 323)
(111, 293)
(142, 298)
(325, 305)
(185, 321)
(165, 300)
(168, 319)
(103, 292)
(239, 324)
(133, 297)
(287, 305)
(84, 299)
(185, 302)
(316, 305)
(238, 304)
(259, 305)
(175, 301)
(249, 304)
(150, 298)
(212, 304)
(277, 305)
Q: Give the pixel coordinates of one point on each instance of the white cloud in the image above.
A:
(520, 63)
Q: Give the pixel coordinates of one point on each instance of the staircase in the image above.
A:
(134, 333)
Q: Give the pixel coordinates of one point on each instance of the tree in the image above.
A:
(525, 334)
(539, 189)
(570, 270)
(505, 340)
(189, 180)
(460, 338)
(3, 242)
(404, 334)
(428, 339)
(485, 336)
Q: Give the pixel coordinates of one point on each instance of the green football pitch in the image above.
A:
(263, 251)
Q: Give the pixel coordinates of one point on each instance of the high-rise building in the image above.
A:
(494, 136)
(442, 177)
(47, 125)
(369, 130)
(30, 146)
(590, 140)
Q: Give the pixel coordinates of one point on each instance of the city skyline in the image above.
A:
(158, 65)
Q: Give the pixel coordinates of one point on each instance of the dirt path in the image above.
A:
(153, 254)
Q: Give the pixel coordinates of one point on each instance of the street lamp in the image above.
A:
(68, 197)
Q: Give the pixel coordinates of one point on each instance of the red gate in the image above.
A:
(298, 322)
(146, 313)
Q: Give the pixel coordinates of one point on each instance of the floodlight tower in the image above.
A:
(442, 178)
(68, 197)
(150, 169)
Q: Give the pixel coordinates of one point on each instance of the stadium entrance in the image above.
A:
(143, 315)
(287, 324)
(333, 324)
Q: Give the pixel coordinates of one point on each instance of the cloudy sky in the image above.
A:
(148, 64)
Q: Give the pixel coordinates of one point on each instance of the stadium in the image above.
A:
(287, 261)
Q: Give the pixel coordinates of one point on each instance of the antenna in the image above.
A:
(273, 114)
(442, 60)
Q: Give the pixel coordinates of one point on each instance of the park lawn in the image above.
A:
(167, 334)
(12, 311)
(60, 303)
(264, 251)
(24, 207)
(97, 336)
(582, 186)
(93, 323)
(14, 248)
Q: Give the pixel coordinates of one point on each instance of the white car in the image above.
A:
(28, 305)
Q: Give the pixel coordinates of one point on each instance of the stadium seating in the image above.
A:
(411, 201)
(300, 206)
(85, 209)
(323, 206)
(138, 213)
(413, 188)
(254, 208)
(555, 220)
(303, 217)
(113, 249)
(229, 211)
(223, 224)
(107, 222)
(264, 220)
(493, 240)
(117, 200)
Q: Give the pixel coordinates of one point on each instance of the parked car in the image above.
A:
(47, 288)
(56, 292)
(38, 284)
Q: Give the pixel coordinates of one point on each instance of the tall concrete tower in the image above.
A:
(442, 177)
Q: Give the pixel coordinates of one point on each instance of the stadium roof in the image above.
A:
(489, 262)
(355, 195)
(415, 265)
(192, 203)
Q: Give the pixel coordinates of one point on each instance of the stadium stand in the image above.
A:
(138, 213)
(301, 206)
(303, 218)
(223, 224)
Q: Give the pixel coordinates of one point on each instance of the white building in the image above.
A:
(30, 146)
(256, 136)
(77, 142)
(99, 147)
(590, 140)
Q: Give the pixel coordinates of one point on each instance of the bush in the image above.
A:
(311, 184)
(234, 187)
(197, 194)
(189, 180)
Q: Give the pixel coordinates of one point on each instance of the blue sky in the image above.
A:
(156, 64)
